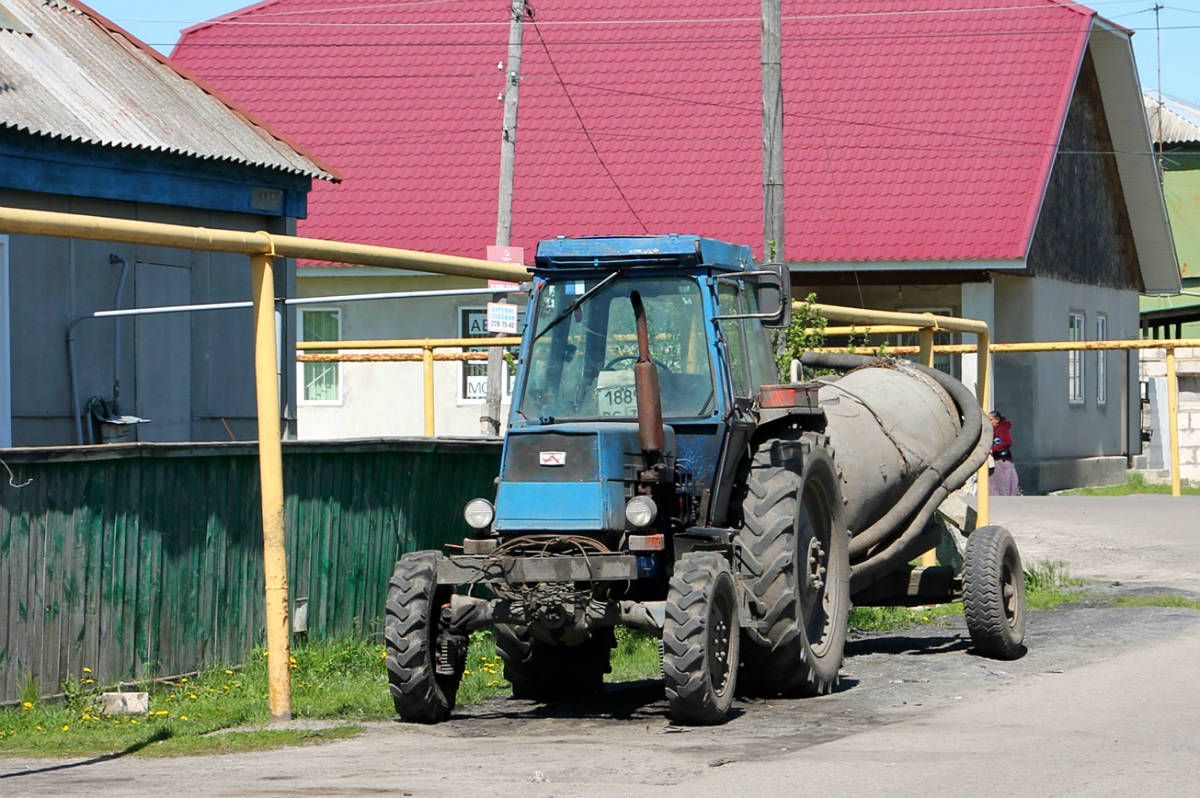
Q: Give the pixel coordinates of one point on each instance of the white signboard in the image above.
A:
(501, 318)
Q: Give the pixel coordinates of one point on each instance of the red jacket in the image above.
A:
(1002, 440)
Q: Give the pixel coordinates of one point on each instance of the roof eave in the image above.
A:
(1124, 109)
(964, 265)
(321, 170)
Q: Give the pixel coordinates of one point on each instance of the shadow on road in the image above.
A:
(158, 736)
(913, 645)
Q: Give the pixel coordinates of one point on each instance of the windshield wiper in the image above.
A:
(571, 308)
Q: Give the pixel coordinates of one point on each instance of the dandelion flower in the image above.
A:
(27, 705)
(192, 696)
(183, 680)
(85, 716)
(132, 722)
(383, 655)
(466, 672)
(66, 728)
(39, 728)
(89, 681)
(227, 671)
(183, 717)
(87, 670)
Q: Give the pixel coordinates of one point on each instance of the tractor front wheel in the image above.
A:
(700, 640)
(411, 631)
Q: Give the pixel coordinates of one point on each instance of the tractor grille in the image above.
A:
(534, 458)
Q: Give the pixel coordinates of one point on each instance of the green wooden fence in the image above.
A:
(146, 559)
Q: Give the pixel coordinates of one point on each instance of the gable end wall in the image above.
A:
(1084, 234)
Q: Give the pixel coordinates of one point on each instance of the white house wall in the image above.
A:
(1056, 443)
(387, 399)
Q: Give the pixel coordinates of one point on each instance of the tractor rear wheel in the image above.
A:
(539, 671)
(700, 640)
(994, 593)
(413, 613)
(798, 563)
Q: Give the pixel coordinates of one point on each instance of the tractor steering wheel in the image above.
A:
(622, 358)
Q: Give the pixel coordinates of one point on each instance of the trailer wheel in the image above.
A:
(539, 671)
(700, 640)
(994, 593)
(414, 603)
(798, 563)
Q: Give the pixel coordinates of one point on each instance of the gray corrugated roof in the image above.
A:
(1180, 120)
(76, 78)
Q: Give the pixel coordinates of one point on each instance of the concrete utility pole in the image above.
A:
(772, 93)
(490, 422)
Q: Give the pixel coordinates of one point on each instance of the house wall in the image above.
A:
(1058, 444)
(387, 399)
(191, 374)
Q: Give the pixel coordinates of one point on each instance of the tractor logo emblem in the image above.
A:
(552, 458)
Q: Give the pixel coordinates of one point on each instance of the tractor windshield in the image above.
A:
(581, 362)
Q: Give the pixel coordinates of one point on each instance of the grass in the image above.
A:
(335, 680)
(1047, 584)
(635, 657)
(1159, 600)
(1135, 482)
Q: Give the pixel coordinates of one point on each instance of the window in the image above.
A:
(582, 356)
(1075, 361)
(321, 382)
(1101, 361)
(472, 379)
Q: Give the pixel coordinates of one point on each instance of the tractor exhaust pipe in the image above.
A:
(645, 382)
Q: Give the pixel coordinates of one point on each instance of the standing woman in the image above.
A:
(1003, 481)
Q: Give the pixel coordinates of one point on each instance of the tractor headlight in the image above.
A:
(641, 511)
(479, 513)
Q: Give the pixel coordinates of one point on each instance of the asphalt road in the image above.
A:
(1104, 703)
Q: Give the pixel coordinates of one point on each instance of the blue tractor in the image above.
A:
(656, 475)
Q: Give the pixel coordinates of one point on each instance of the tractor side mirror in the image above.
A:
(773, 284)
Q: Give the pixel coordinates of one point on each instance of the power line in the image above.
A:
(583, 125)
(690, 42)
(246, 20)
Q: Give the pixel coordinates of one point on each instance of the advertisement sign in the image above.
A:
(501, 318)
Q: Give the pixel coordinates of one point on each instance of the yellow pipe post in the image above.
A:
(929, 558)
(1173, 420)
(983, 512)
(270, 467)
(427, 359)
(925, 353)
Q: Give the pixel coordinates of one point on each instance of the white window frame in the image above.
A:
(1101, 360)
(462, 313)
(1076, 331)
(301, 383)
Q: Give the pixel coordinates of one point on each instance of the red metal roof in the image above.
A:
(915, 129)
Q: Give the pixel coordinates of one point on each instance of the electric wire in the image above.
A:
(583, 125)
